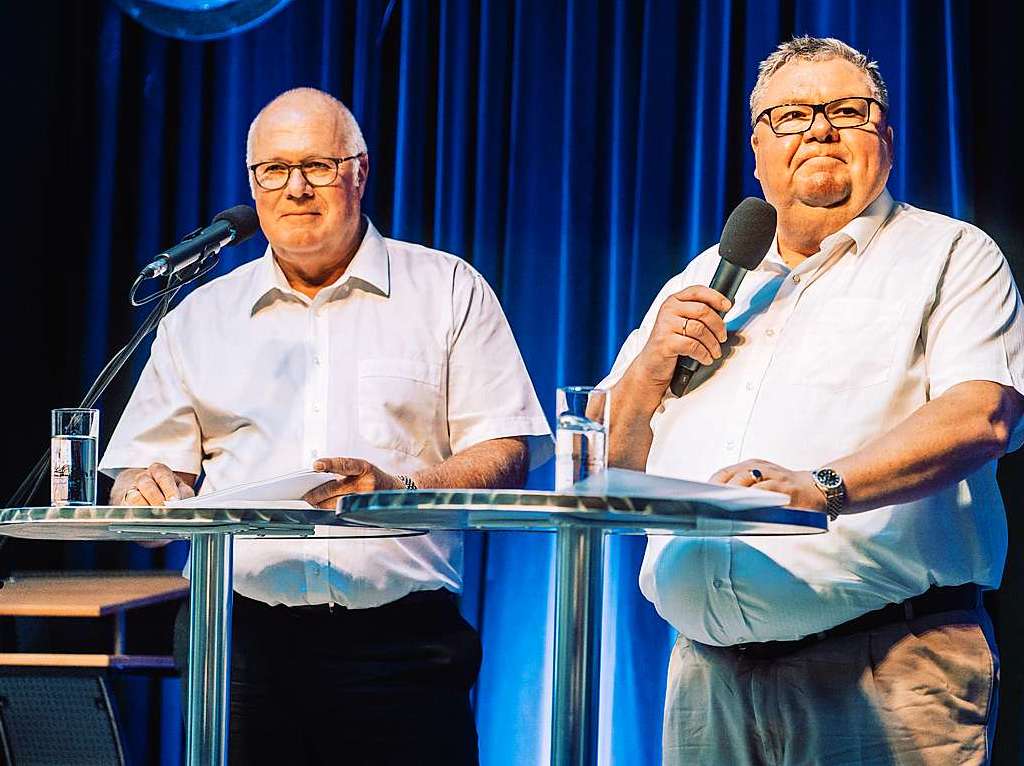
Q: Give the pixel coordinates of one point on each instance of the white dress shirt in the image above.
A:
(404, 361)
(897, 307)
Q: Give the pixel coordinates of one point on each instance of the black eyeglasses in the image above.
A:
(791, 119)
(318, 171)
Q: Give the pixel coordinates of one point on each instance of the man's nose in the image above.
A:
(821, 129)
(297, 185)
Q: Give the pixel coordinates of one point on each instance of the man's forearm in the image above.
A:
(633, 403)
(496, 463)
(943, 441)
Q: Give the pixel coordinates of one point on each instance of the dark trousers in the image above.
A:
(381, 686)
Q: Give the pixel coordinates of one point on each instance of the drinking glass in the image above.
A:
(74, 443)
(581, 441)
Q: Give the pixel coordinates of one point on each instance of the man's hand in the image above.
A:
(150, 486)
(688, 324)
(360, 476)
(799, 485)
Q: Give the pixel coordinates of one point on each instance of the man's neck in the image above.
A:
(800, 231)
(309, 272)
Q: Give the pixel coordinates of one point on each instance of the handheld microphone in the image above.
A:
(746, 237)
(231, 227)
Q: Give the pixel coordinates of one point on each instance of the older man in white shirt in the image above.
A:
(871, 367)
(386, 362)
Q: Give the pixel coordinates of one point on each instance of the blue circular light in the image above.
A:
(200, 19)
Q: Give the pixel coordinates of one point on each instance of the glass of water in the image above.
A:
(581, 442)
(74, 442)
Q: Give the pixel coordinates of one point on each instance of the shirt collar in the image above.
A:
(860, 231)
(370, 269)
(863, 228)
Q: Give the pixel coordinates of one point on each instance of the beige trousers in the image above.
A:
(912, 693)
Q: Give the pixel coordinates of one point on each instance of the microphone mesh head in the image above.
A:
(748, 233)
(243, 220)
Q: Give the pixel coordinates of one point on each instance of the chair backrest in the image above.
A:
(50, 718)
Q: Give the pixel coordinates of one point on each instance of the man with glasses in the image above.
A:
(385, 362)
(870, 368)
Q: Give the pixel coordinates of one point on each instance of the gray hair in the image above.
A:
(354, 141)
(807, 48)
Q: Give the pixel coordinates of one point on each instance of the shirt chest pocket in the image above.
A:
(846, 344)
(400, 403)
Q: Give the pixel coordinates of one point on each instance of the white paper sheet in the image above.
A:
(619, 482)
(283, 492)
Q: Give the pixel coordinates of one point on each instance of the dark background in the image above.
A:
(578, 153)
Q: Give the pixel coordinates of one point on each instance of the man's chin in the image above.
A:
(298, 242)
(824, 193)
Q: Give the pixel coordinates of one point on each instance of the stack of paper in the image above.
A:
(618, 482)
(277, 492)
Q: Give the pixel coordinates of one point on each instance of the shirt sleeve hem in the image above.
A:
(115, 462)
(536, 430)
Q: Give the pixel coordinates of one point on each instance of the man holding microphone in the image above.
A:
(871, 367)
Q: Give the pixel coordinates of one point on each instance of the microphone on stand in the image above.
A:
(233, 226)
(746, 237)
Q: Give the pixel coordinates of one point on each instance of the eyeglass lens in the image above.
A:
(843, 113)
(317, 171)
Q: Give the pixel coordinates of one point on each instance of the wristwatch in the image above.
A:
(830, 482)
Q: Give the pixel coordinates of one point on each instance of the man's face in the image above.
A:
(301, 218)
(824, 167)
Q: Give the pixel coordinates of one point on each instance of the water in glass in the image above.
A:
(73, 470)
(580, 450)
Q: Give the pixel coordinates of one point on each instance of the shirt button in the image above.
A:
(717, 583)
(750, 386)
(796, 277)
(312, 453)
(769, 332)
(316, 408)
(730, 444)
(316, 360)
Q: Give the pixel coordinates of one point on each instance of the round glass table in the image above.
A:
(580, 523)
(210, 576)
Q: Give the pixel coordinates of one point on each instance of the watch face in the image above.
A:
(828, 478)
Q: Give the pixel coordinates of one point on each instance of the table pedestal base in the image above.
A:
(579, 570)
(209, 650)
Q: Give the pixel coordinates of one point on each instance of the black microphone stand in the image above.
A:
(164, 297)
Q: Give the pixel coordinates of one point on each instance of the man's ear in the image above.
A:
(753, 148)
(362, 173)
(890, 138)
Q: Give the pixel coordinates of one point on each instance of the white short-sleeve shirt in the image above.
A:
(897, 307)
(405, 361)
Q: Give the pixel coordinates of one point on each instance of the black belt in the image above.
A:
(932, 601)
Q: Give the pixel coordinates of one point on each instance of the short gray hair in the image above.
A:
(807, 48)
(355, 143)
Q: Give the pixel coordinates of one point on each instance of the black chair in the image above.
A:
(57, 719)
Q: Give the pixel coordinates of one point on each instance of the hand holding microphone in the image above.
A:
(689, 330)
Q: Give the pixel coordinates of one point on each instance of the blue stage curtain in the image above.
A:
(578, 153)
